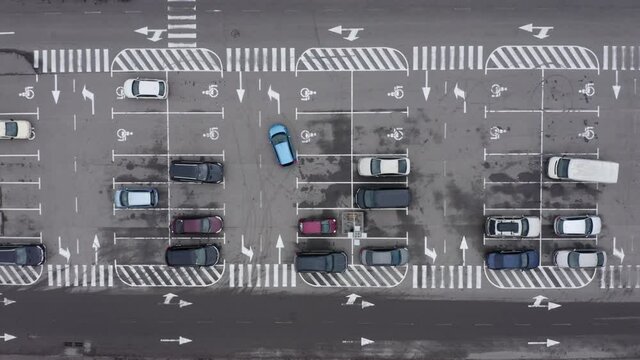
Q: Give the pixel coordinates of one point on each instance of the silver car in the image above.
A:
(585, 225)
(145, 89)
(516, 226)
(375, 166)
(579, 258)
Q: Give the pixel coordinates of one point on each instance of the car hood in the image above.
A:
(534, 226)
(364, 166)
(561, 258)
(597, 225)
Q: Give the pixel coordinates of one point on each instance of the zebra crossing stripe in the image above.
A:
(453, 57)
(517, 57)
(71, 60)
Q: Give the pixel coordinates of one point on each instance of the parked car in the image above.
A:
(22, 254)
(197, 225)
(281, 142)
(145, 197)
(585, 225)
(326, 262)
(145, 89)
(196, 171)
(516, 226)
(513, 259)
(579, 258)
(15, 129)
(375, 166)
(384, 257)
(565, 168)
(370, 198)
(318, 226)
(192, 255)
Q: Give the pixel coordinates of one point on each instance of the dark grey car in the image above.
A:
(196, 171)
(22, 254)
(371, 198)
(327, 262)
(192, 255)
(384, 257)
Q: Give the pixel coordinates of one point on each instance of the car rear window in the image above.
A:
(11, 129)
(402, 166)
(135, 88)
(375, 166)
(562, 169)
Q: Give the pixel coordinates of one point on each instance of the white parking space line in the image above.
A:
(485, 239)
(114, 155)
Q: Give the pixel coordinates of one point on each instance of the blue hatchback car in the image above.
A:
(281, 142)
(513, 259)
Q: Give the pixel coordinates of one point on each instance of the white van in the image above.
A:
(583, 170)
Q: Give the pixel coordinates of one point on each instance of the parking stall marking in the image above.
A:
(71, 60)
(449, 276)
(260, 59)
(166, 276)
(566, 57)
(358, 276)
(79, 275)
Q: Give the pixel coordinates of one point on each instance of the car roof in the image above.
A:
(139, 197)
(391, 197)
(149, 87)
(285, 154)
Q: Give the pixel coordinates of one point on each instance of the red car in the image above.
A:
(318, 226)
(197, 225)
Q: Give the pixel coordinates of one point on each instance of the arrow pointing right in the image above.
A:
(6, 337)
(431, 253)
(365, 341)
(248, 252)
(8, 301)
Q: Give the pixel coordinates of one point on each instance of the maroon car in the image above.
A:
(318, 226)
(197, 225)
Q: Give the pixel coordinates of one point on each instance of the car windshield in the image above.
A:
(21, 256)
(525, 227)
(135, 88)
(402, 166)
(160, 88)
(279, 138)
(395, 257)
(124, 198)
(369, 197)
(328, 263)
(588, 224)
(11, 128)
(325, 226)
(524, 260)
(202, 172)
(205, 225)
(375, 166)
(574, 259)
(200, 256)
(600, 259)
(563, 168)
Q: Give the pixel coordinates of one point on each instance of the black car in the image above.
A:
(327, 262)
(23, 254)
(513, 259)
(371, 198)
(192, 255)
(196, 171)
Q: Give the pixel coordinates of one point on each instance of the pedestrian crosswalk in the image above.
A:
(566, 57)
(358, 276)
(19, 275)
(167, 276)
(352, 59)
(134, 60)
(261, 59)
(181, 27)
(71, 60)
(80, 275)
(460, 57)
(262, 275)
(447, 276)
(620, 57)
(619, 277)
(543, 277)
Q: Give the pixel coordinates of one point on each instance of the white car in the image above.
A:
(145, 89)
(516, 226)
(372, 166)
(15, 129)
(585, 225)
(579, 258)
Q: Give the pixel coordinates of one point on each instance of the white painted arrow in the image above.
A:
(279, 246)
(353, 32)
(248, 252)
(426, 90)
(366, 304)
(618, 253)
(464, 247)
(538, 301)
(156, 33)
(240, 91)
(548, 343)
(55, 92)
(543, 31)
(274, 95)
(351, 299)
(64, 252)
(551, 305)
(86, 94)
(431, 253)
(7, 301)
(616, 87)
(183, 303)
(6, 337)
(459, 93)
(167, 298)
(181, 340)
(365, 341)
(96, 246)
